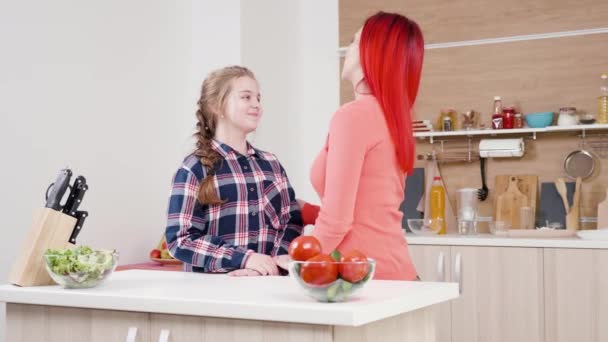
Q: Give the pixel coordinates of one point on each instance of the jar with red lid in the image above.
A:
(508, 117)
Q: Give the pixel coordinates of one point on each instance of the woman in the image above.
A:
(231, 206)
(360, 173)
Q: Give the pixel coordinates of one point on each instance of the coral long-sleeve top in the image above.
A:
(361, 186)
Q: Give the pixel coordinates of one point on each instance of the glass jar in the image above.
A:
(567, 116)
(508, 117)
(518, 121)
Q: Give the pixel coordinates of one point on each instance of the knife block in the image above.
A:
(50, 229)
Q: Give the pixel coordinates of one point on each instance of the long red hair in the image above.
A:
(391, 52)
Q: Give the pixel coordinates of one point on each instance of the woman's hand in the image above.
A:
(262, 263)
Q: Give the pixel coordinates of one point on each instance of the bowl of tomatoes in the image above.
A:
(328, 277)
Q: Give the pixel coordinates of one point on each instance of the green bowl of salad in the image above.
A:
(81, 267)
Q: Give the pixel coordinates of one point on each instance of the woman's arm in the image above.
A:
(187, 241)
(347, 146)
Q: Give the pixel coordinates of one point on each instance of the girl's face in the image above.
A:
(243, 107)
(352, 67)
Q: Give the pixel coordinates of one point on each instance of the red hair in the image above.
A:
(391, 51)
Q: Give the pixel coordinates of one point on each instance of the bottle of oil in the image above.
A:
(602, 100)
(437, 205)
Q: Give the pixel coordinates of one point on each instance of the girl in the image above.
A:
(231, 206)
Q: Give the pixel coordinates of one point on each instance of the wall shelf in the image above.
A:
(518, 131)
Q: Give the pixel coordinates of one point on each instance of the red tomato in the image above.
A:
(164, 245)
(304, 247)
(353, 272)
(321, 269)
(155, 254)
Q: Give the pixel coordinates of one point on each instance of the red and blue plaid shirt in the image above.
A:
(260, 213)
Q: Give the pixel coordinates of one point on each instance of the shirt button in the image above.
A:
(245, 167)
(253, 213)
(251, 189)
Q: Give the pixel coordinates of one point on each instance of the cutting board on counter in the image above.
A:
(602, 213)
(509, 202)
(527, 184)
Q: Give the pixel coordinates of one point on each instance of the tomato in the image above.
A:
(319, 270)
(155, 254)
(164, 245)
(353, 272)
(304, 247)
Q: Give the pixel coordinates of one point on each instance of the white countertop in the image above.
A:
(218, 295)
(490, 240)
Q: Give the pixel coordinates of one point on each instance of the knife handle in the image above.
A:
(76, 196)
(58, 188)
(80, 217)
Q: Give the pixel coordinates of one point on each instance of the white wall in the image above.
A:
(293, 52)
(110, 88)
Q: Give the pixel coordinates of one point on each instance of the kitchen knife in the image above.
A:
(80, 217)
(75, 198)
(58, 188)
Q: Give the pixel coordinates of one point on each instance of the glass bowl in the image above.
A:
(74, 271)
(424, 226)
(331, 281)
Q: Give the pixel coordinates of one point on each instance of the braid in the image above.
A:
(208, 157)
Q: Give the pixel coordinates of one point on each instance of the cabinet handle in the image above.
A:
(131, 334)
(441, 267)
(164, 335)
(458, 271)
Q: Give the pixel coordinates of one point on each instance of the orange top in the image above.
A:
(358, 179)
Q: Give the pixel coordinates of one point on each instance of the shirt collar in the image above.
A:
(224, 150)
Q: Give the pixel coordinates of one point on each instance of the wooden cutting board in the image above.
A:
(508, 204)
(527, 184)
(602, 213)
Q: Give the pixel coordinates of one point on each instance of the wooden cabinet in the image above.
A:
(576, 295)
(433, 263)
(501, 291)
(501, 298)
(62, 324)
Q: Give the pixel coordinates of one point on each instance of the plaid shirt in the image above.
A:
(260, 213)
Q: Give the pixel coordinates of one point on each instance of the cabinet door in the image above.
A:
(502, 295)
(26, 323)
(576, 297)
(207, 329)
(433, 264)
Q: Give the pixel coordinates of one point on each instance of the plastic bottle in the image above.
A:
(602, 100)
(437, 204)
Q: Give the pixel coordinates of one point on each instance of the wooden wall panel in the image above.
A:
(538, 75)
(457, 20)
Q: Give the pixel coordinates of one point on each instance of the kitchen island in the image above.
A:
(145, 306)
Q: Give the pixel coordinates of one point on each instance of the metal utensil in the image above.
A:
(482, 193)
(579, 163)
(58, 189)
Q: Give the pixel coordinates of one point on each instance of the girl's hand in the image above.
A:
(282, 261)
(262, 263)
(244, 272)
